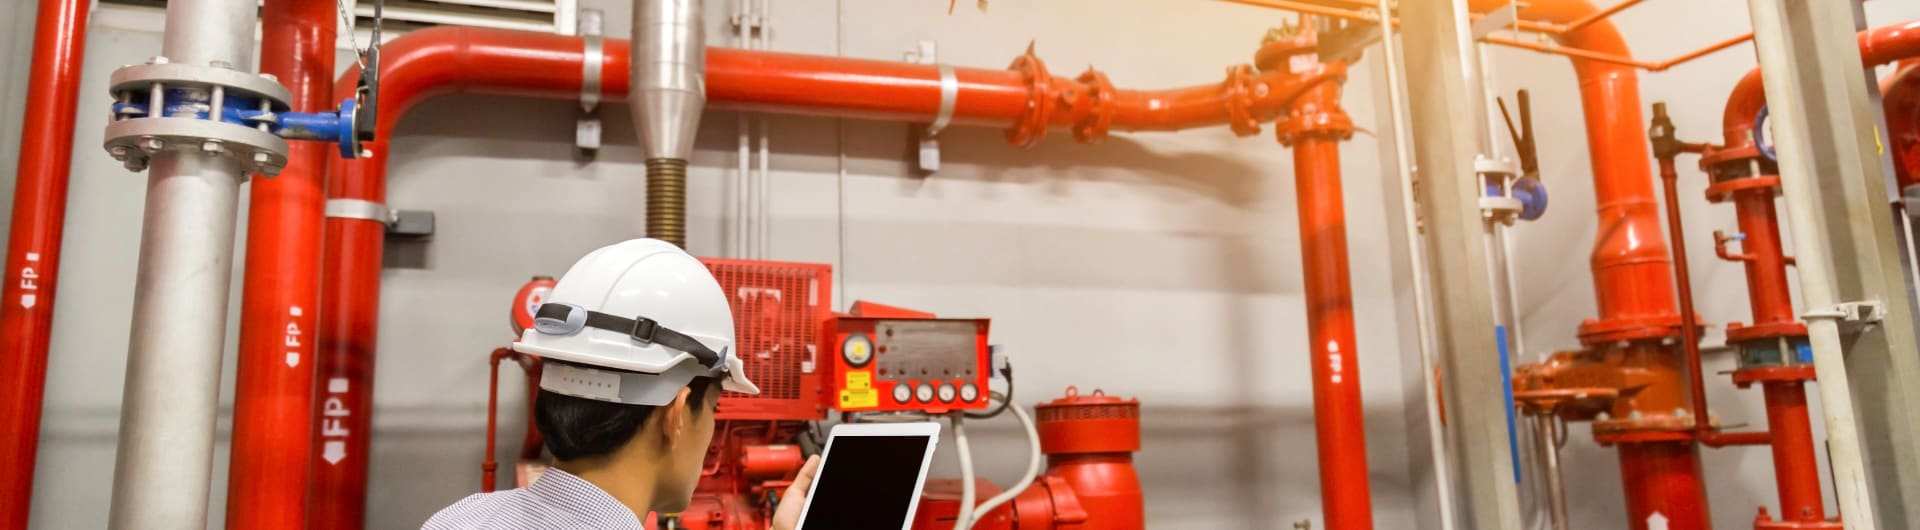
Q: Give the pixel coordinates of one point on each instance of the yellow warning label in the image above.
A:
(860, 380)
(859, 398)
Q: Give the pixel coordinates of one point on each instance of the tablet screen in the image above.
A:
(867, 482)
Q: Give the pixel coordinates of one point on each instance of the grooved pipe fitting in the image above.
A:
(667, 200)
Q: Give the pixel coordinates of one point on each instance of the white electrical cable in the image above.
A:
(964, 520)
(1033, 471)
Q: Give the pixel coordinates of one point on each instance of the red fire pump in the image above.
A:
(878, 359)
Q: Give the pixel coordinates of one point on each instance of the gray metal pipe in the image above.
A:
(167, 413)
(164, 466)
(668, 75)
(1550, 469)
(1798, 178)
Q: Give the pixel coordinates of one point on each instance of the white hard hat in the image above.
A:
(633, 323)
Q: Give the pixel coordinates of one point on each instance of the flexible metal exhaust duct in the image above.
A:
(668, 77)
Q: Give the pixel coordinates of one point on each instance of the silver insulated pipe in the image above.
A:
(164, 468)
(669, 70)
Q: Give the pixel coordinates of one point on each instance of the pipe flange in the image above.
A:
(212, 110)
(1626, 330)
(176, 76)
(1646, 429)
(1738, 332)
(1032, 125)
(135, 141)
(1099, 119)
(1746, 377)
(1722, 191)
(1314, 120)
(1241, 88)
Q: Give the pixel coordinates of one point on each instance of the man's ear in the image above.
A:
(677, 416)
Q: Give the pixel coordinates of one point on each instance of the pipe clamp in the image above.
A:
(592, 61)
(949, 91)
(360, 209)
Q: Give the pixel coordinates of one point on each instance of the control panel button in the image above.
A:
(969, 393)
(946, 392)
(924, 392)
(902, 393)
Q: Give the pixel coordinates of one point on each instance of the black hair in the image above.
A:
(577, 427)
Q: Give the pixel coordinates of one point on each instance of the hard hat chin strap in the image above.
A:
(567, 319)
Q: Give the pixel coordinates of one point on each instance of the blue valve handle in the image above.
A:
(1531, 193)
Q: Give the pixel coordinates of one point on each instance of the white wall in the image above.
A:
(1556, 288)
(1160, 265)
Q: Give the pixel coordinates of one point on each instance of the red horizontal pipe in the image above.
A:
(473, 60)
(33, 245)
(1632, 283)
(279, 310)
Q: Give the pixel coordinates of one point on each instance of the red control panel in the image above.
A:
(894, 363)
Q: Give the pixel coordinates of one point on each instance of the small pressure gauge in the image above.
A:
(902, 393)
(969, 393)
(857, 350)
(946, 392)
(924, 392)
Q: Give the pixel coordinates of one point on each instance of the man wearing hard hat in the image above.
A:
(635, 337)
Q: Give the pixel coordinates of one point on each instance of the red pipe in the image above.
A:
(1795, 467)
(33, 245)
(1901, 97)
(1878, 46)
(1631, 273)
(1703, 428)
(1340, 431)
(1666, 481)
(273, 391)
(1765, 262)
(434, 61)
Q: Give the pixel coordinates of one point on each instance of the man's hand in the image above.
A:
(787, 516)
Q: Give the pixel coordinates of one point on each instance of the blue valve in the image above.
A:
(1531, 193)
(336, 127)
(1759, 133)
(1533, 197)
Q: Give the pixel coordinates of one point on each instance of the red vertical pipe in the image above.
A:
(33, 245)
(1794, 465)
(1340, 432)
(1631, 270)
(1666, 484)
(279, 308)
(350, 292)
(1766, 265)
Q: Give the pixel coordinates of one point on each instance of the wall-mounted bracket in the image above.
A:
(929, 139)
(586, 132)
